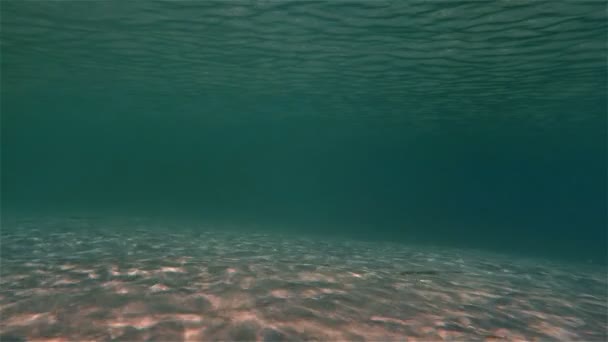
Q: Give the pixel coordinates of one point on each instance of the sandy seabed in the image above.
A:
(82, 280)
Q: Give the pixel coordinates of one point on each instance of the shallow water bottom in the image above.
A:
(68, 280)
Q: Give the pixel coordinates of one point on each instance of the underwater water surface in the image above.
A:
(283, 170)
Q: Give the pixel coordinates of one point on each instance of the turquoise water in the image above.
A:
(464, 124)
(303, 170)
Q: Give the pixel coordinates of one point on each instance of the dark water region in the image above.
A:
(443, 125)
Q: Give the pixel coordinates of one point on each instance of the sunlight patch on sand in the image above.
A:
(391, 320)
(555, 332)
(172, 270)
(190, 318)
(315, 277)
(65, 281)
(28, 319)
(310, 293)
(136, 272)
(114, 271)
(193, 334)
(280, 293)
(332, 291)
(136, 322)
(66, 267)
(159, 288)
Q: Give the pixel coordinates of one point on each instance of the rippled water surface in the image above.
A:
(433, 57)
